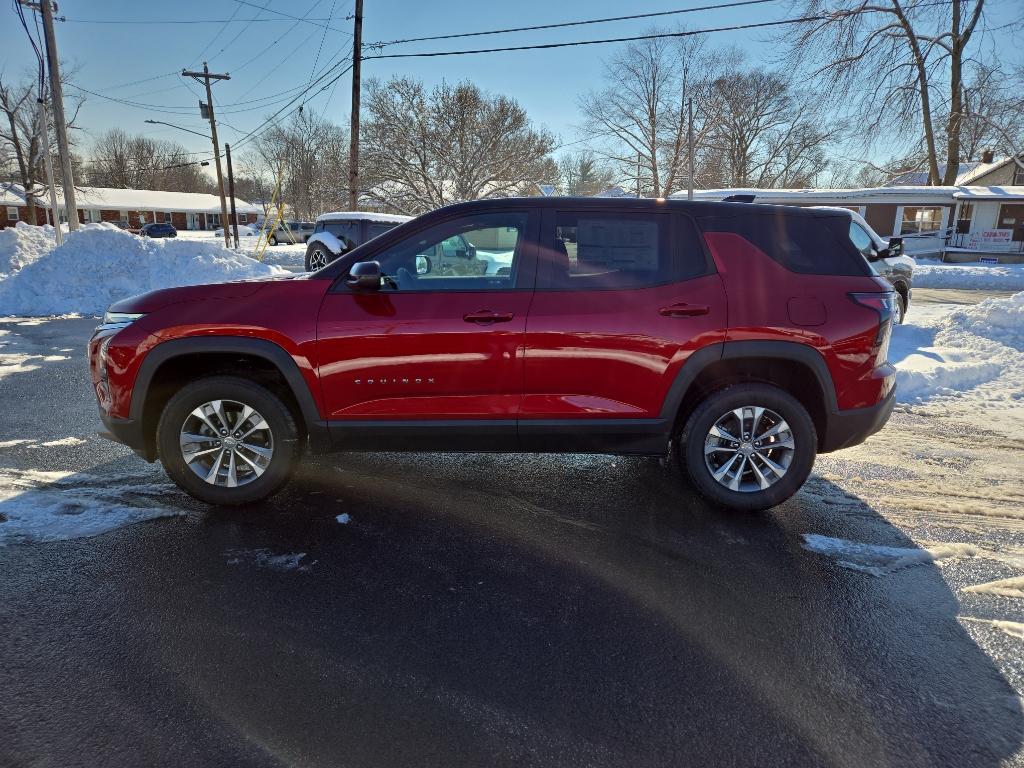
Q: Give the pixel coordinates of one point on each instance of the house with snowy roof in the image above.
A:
(130, 208)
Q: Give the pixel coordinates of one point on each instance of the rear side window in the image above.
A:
(815, 245)
(374, 229)
(594, 250)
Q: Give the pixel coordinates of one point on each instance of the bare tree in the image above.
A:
(639, 118)
(767, 133)
(424, 149)
(900, 62)
(21, 142)
(313, 153)
(124, 161)
(582, 174)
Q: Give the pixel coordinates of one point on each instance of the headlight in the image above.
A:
(117, 320)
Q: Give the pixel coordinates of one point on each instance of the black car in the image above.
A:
(156, 229)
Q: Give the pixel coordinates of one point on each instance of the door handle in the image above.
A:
(684, 310)
(487, 317)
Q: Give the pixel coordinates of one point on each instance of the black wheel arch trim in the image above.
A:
(267, 350)
(737, 350)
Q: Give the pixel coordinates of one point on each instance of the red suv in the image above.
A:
(747, 338)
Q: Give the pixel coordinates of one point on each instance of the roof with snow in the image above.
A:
(387, 218)
(920, 178)
(108, 198)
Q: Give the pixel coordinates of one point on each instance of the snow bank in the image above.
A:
(101, 264)
(946, 356)
(981, 277)
(22, 244)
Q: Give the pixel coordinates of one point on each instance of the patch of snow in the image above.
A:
(100, 264)
(981, 277)
(1012, 587)
(22, 244)
(63, 441)
(12, 443)
(1012, 628)
(880, 560)
(265, 558)
(343, 518)
(43, 506)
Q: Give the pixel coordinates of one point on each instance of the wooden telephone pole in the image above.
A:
(57, 93)
(353, 147)
(206, 77)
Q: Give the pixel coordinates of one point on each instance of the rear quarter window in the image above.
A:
(814, 245)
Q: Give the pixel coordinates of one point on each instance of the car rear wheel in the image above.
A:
(317, 257)
(901, 308)
(225, 440)
(748, 447)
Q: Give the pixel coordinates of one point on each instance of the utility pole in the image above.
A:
(689, 147)
(231, 191)
(44, 131)
(53, 65)
(206, 77)
(353, 147)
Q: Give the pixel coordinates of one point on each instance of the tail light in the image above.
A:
(885, 305)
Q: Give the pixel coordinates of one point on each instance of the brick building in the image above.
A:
(128, 207)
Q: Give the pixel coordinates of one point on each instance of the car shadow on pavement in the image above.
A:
(509, 610)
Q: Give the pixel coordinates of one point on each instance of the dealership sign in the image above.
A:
(996, 239)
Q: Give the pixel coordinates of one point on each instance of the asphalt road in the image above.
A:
(476, 610)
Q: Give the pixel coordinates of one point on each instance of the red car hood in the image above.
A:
(154, 300)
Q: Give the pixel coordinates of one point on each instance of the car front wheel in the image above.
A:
(748, 447)
(226, 440)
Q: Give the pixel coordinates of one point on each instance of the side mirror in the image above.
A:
(470, 251)
(895, 246)
(365, 274)
(424, 265)
(885, 253)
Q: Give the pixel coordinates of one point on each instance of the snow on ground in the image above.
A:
(41, 506)
(291, 257)
(967, 362)
(980, 277)
(22, 244)
(100, 264)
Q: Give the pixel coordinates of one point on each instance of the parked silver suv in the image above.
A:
(293, 232)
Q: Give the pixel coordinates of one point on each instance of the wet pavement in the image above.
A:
(471, 610)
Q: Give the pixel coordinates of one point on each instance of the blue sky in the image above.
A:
(546, 82)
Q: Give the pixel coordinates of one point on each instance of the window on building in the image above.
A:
(212, 220)
(917, 220)
(1018, 175)
(12, 213)
(92, 216)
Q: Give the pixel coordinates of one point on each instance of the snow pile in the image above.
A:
(977, 350)
(101, 264)
(22, 244)
(980, 277)
(1001, 320)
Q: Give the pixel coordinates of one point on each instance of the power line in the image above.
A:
(179, 21)
(609, 19)
(289, 16)
(218, 34)
(540, 46)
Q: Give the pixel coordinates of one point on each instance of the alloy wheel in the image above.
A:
(749, 449)
(227, 443)
(317, 260)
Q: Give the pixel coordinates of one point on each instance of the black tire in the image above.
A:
(286, 445)
(696, 434)
(314, 248)
(901, 308)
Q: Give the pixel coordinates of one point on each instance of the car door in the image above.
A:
(439, 345)
(623, 298)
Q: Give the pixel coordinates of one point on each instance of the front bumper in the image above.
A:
(854, 426)
(129, 432)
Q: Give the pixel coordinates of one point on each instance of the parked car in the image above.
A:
(290, 232)
(338, 233)
(244, 230)
(745, 339)
(157, 229)
(886, 256)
